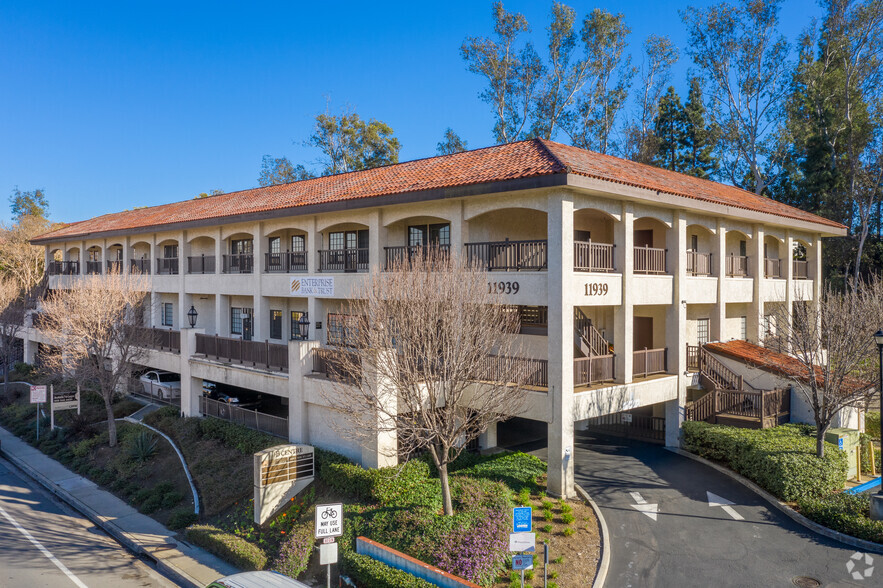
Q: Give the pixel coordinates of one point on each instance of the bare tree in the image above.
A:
(12, 314)
(94, 329)
(432, 359)
(832, 343)
(659, 56)
(20, 260)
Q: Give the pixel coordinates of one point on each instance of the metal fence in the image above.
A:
(259, 421)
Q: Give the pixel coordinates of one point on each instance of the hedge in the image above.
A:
(228, 547)
(872, 423)
(847, 513)
(366, 571)
(237, 436)
(781, 460)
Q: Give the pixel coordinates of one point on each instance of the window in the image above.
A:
(429, 235)
(238, 320)
(298, 243)
(743, 248)
(275, 324)
(743, 328)
(295, 325)
(275, 244)
(168, 314)
(702, 331)
(348, 240)
(343, 330)
(769, 325)
(94, 255)
(584, 236)
(241, 247)
(694, 242)
(170, 251)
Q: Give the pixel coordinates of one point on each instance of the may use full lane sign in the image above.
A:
(329, 520)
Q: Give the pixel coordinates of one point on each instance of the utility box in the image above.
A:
(846, 440)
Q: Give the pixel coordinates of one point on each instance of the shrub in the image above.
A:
(181, 519)
(872, 424)
(569, 531)
(865, 445)
(141, 446)
(152, 504)
(516, 470)
(228, 547)
(366, 571)
(567, 518)
(782, 459)
(171, 499)
(477, 551)
(241, 438)
(847, 513)
(294, 555)
(548, 516)
(546, 528)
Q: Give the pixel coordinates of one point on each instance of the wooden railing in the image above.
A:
(590, 370)
(635, 426)
(772, 268)
(201, 264)
(139, 266)
(331, 362)
(649, 260)
(114, 266)
(239, 263)
(647, 362)
(693, 352)
(737, 265)
(590, 336)
(721, 376)
(259, 421)
(343, 260)
(397, 257)
(496, 256)
(290, 261)
(257, 353)
(702, 409)
(592, 257)
(698, 264)
(167, 265)
(93, 267)
(763, 406)
(496, 368)
(63, 268)
(801, 269)
(162, 339)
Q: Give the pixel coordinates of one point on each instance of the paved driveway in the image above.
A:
(664, 532)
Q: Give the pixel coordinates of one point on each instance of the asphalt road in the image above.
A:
(43, 543)
(690, 542)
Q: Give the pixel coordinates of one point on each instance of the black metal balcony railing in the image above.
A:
(288, 262)
(240, 263)
(649, 260)
(63, 268)
(115, 266)
(343, 260)
(801, 269)
(505, 256)
(698, 264)
(772, 268)
(139, 266)
(398, 257)
(737, 265)
(201, 264)
(167, 265)
(592, 257)
(93, 267)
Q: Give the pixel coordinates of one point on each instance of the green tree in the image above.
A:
(452, 143)
(349, 143)
(700, 138)
(31, 203)
(670, 131)
(214, 192)
(659, 55)
(278, 170)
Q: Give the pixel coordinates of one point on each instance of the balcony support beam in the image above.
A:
(624, 315)
(675, 326)
(719, 312)
(191, 388)
(756, 308)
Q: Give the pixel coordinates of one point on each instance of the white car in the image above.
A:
(257, 580)
(160, 384)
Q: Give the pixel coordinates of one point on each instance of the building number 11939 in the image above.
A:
(596, 289)
(503, 287)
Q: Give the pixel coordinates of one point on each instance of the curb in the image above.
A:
(604, 564)
(178, 576)
(784, 508)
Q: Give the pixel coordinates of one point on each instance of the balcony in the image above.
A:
(238, 263)
(772, 268)
(647, 362)
(649, 260)
(397, 257)
(698, 264)
(283, 263)
(63, 268)
(331, 362)
(272, 356)
(592, 370)
(167, 266)
(800, 269)
(201, 264)
(162, 339)
(139, 266)
(737, 266)
(343, 260)
(115, 266)
(93, 267)
(592, 257)
(506, 256)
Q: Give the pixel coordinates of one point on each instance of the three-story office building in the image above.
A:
(615, 268)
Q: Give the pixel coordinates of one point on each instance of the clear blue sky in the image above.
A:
(112, 105)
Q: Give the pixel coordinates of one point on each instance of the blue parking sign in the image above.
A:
(522, 517)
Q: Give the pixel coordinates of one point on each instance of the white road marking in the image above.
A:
(43, 550)
(648, 509)
(726, 505)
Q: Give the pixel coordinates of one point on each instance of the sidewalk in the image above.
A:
(186, 565)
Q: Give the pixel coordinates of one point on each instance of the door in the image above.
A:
(644, 238)
(643, 332)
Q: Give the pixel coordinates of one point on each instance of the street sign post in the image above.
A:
(522, 518)
(522, 562)
(38, 397)
(545, 565)
(62, 400)
(522, 542)
(329, 524)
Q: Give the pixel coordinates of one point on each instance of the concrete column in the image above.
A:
(261, 317)
(313, 245)
(300, 364)
(624, 315)
(560, 341)
(191, 388)
(675, 326)
(184, 300)
(755, 309)
(376, 238)
(719, 261)
(488, 439)
(788, 261)
(222, 315)
(816, 269)
(83, 258)
(380, 448)
(127, 254)
(154, 295)
(219, 252)
(29, 346)
(316, 313)
(459, 230)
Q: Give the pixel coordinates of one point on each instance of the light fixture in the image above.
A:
(191, 316)
(304, 324)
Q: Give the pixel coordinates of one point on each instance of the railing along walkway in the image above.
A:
(273, 356)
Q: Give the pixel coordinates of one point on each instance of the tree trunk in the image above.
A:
(111, 423)
(820, 441)
(446, 487)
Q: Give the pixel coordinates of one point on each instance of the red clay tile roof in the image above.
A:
(771, 361)
(524, 159)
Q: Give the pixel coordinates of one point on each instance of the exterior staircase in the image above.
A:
(589, 342)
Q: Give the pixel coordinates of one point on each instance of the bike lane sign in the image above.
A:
(329, 520)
